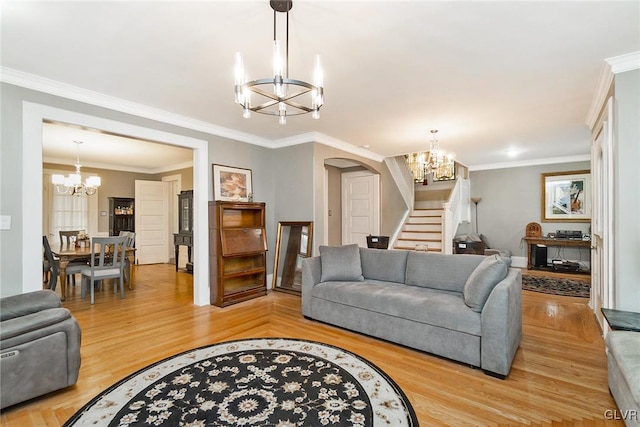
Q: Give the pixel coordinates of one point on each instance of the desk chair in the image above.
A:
(107, 262)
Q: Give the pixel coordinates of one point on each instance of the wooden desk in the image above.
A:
(575, 243)
(68, 253)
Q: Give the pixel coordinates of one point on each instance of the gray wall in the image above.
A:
(627, 191)
(221, 150)
(511, 199)
(334, 207)
(392, 205)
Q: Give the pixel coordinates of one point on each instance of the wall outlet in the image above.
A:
(5, 222)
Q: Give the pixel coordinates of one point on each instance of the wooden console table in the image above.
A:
(575, 243)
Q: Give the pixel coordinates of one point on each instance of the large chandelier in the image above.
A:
(285, 97)
(435, 162)
(72, 184)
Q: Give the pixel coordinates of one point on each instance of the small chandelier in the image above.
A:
(435, 162)
(286, 97)
(441, 163)
(72, 183)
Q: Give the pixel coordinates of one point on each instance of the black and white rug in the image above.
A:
(557, 286)
(257, 382)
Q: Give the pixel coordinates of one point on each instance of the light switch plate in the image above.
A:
(5, 222)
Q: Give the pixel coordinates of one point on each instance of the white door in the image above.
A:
(152, 222)
(602, 218)
(360, 207)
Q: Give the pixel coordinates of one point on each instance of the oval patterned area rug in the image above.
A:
(257, 382)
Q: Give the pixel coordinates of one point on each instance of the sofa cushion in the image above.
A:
(386, 265)
(440, 271)
(624, 347)
(482, 281)
(429, 306)
(341, 263)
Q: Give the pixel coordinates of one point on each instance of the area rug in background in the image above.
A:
(257, 382)
(556, 286)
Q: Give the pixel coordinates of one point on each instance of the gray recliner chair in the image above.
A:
(39, 346)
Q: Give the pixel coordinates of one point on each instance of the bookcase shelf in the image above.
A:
(237, 248)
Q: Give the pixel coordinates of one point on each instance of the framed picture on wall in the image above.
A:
(566, 196)
(231, 183)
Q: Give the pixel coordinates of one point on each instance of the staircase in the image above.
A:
(423, 227)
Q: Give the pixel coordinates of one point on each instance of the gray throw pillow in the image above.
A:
(341, 263)
(482, 280)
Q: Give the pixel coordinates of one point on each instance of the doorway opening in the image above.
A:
(34, 115)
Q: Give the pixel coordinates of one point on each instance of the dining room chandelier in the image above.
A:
(279, 95)
(435, 162)
(72, 184)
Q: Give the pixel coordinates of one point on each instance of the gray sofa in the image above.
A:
(623, 360)
(39, 345)
(462, 307)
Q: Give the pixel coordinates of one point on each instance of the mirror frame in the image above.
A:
(279, 246)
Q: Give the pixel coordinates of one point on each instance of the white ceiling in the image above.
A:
(108, 151)
(502, 81)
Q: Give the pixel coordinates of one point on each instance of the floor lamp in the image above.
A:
(476, 200)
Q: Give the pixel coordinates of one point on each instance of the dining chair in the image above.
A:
(130, 243)
(67, 235)
(53, 265)
(107, 262)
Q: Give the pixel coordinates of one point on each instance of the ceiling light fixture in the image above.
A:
(72, 184)
(436, 161)
(301, 97)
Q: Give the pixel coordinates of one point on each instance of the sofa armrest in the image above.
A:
(33, 322)
(502, 324)
(311, 275)
(25, 304)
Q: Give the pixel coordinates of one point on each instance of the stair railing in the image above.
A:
(455, 210)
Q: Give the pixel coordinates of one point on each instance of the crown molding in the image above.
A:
(623, 63)
(120, 168)
(610, 67)
(600, 95)
(533, 162)
(53, 87)
(323, 139)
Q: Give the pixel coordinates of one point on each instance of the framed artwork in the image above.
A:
(232, 184)
(566, 196)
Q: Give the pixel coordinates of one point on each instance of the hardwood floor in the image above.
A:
(558, 378)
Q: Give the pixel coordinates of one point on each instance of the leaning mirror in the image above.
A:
(294, 243)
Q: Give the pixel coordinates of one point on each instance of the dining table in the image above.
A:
(68, 253)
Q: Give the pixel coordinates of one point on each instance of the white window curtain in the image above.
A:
(64, 212)
(68, 213)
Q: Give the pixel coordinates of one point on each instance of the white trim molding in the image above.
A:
(41, 84)
(533, 162)
(610, 67)
(33, 115)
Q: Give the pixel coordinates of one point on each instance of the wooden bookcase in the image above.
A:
(237, 251)
(121, 215)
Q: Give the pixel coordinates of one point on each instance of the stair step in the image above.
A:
(409, 248)
(435, 236)
(424, 220)
(423, 227)
(427, 213)
(412, 243)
